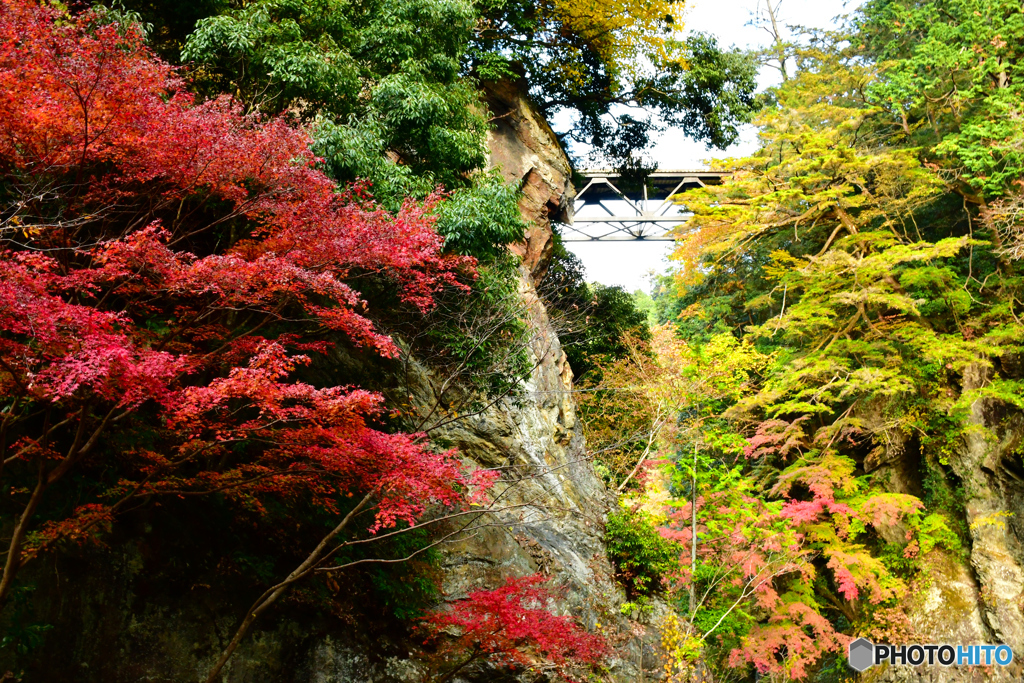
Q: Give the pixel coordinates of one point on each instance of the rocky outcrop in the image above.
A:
(980, 598)
(554, 502)
(990, 465)
(550, 518)
(944, 605)
(526, 151)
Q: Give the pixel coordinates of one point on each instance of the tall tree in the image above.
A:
(842, 250)
(603, 59)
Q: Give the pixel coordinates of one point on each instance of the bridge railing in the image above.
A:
(607, 209)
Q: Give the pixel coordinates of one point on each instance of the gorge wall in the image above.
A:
(977, 595)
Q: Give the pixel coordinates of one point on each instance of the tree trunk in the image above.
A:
(13, 562)
(272, 594)
(693, 536)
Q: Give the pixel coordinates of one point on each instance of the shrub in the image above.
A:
(642, 556)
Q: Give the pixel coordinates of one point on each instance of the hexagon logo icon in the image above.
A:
(861, 654)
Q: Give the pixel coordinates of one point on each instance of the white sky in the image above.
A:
(629, 263)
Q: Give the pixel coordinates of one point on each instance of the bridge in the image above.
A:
(607, 210)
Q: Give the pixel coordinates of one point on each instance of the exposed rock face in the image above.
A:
(981, 601)
(990, 464)
(945, 606)
(524, 148)
(555, 504)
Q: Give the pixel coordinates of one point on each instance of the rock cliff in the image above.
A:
(557, 503)
(977, 597)
(526, 151)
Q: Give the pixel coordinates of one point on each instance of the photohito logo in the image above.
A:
(863, 654)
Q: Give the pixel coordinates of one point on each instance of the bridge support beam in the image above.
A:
(608, 210)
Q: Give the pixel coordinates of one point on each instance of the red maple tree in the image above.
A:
(166, 268)
(510, 626)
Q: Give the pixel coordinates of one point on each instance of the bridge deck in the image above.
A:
(608, 208)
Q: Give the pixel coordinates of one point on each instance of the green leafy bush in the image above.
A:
(642, 557)
(407, 589)
(479, 340)
(22, 633)
(483, 219)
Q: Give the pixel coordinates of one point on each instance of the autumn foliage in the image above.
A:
(771, 527)
(167, 270)
(511, 626)
(846, 253)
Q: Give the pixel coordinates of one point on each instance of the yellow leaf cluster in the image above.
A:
(680, 648)
(629, 35)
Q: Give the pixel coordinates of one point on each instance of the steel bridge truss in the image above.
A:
(605, 213)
